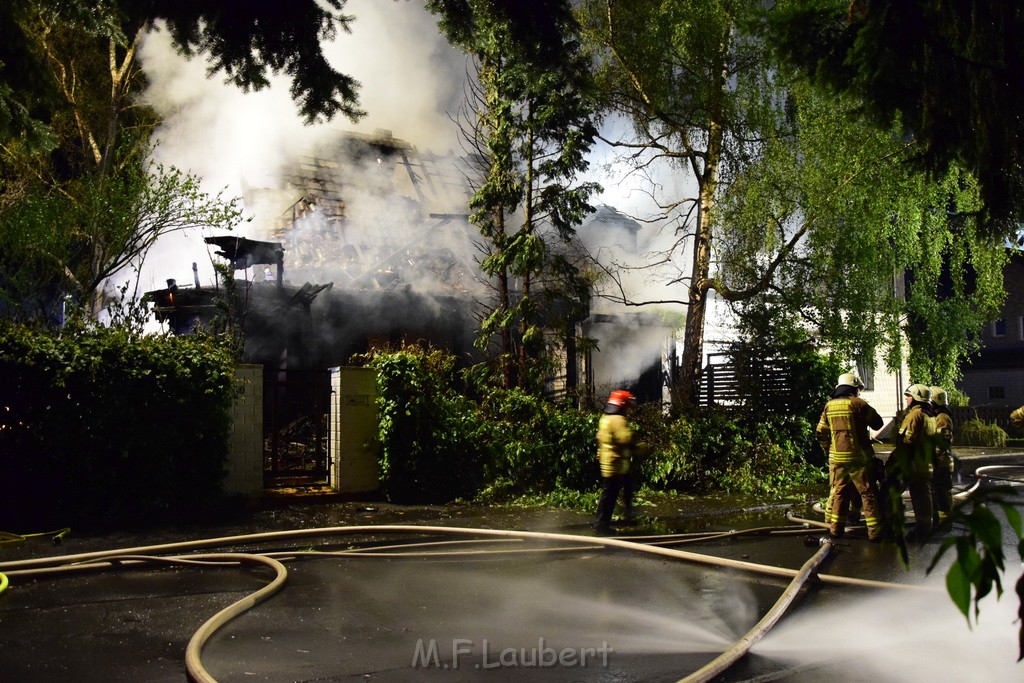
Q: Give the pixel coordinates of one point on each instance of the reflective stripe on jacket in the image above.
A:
(843, 428)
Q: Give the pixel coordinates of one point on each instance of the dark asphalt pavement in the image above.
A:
(513, 610)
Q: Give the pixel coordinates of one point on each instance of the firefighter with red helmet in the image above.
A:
(615, 445)
(843, 433)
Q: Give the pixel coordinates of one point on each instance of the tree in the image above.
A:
(531, 132)
(244, 40)
(68, 243)
(949, 76)
(950, 73)
(75, 217)
(796, 201)
(833, 220)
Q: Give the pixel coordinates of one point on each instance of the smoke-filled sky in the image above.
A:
(412, 83)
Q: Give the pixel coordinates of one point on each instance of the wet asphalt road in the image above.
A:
(515, 610)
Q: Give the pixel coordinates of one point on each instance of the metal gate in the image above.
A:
(296, 435)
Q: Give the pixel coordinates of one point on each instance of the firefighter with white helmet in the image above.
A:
(942, 460)
(910, 464)
(615, 444)
(843, 433)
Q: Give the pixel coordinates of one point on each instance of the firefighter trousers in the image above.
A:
(848, 480)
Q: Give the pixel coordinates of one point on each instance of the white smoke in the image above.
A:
(412, 84)
(237, 141)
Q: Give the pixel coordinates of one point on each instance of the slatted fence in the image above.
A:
(764, 381)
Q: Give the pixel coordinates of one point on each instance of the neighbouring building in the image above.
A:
(994, 378)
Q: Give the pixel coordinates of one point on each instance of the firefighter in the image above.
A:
(910, 464)
(1017, 418)
(942, 461)
(615, 444)
(843, 433)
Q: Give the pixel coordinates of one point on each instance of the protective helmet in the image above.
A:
(938, 395)
(850, 379)
(621, 397)
(918, 392)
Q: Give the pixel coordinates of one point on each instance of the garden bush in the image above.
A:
(978, 433)
(102, 426)
(437, 444)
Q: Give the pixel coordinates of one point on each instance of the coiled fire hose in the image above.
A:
(142, 556)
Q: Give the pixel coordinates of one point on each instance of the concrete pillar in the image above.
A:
(354, 444)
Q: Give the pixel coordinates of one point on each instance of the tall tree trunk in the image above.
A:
(508, 375)
(528, 217)
(691, 368)
(688, 385)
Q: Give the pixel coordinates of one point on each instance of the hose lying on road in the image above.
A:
(722, 662)
(988, 474)
(139, 556)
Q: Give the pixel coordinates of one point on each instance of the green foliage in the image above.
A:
(428, 449)
(831, 221)
(714, 450)
(956, 398)
(567, 499)
(536, 445)
(771, 333)
(531, 123)
(103, 425)
(439, 445)
(254, 38)
(946, 71)
(978, 433)
(72, 241)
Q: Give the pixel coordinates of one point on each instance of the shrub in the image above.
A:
(101, 424)
(977, 433)
(429, 439)
(713, 450)
(439, 445)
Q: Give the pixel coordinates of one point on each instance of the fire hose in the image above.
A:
(988, 474)
(742, 646)
(142, 556)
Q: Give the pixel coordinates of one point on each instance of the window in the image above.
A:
(866, 371)
(999, 328)
(997, 392)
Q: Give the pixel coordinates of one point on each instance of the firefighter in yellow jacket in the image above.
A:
(942, 461)
(1017, 418)
(615, 444)
(910, 464)
(843, 433)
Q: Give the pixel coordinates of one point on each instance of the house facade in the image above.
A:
(994, 378)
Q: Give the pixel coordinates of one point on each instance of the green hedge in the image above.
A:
(100, 426)
(438, 444)
(442, 440)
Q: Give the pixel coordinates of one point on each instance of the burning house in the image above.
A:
(362, 248)
(365, 242)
